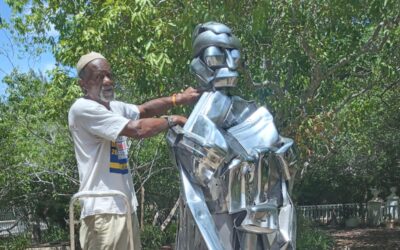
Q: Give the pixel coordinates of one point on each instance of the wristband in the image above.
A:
(174, 100)
(170, 122)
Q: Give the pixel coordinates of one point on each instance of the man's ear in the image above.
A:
(82, 84)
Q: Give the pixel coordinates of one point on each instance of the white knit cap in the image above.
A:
(85, 59)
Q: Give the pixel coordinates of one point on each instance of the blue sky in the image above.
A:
(10, 56)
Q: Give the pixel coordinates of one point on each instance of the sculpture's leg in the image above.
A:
(188, 236)
(252, 241)
(224, 225)
(287, 222)
(195, 210)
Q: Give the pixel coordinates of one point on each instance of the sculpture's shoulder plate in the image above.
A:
(256, 133)
(239, 111)
(213, 105)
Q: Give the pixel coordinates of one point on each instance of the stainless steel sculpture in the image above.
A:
(233, 164)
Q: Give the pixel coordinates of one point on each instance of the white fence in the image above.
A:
(337, 213)
(11, 223)
(322, 214)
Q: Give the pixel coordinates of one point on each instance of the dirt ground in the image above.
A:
(366, 238)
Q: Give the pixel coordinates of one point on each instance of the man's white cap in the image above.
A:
(85, 59)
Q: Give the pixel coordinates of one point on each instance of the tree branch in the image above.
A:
(365, 48)
(170, 215)
(33, 133)
(350, 98)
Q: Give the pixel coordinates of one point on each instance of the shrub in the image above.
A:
(309, 237)
(151, 237)
(18, 242)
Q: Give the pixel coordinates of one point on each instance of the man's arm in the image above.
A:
(161, 105)
(149, 127)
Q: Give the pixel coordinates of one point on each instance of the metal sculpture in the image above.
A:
(233, 164)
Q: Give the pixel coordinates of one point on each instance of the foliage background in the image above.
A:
(327, 70)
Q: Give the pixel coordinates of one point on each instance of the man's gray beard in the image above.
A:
(107, 99)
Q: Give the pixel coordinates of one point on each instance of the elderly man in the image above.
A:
(100, 126)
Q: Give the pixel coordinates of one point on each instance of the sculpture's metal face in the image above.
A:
(216, 56)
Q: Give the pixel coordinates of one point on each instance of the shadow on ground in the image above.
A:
(366, 238)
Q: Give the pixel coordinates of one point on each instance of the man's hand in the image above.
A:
(160, 106)
(178, 120)
(189, 96)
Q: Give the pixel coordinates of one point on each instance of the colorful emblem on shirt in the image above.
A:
(119, 156)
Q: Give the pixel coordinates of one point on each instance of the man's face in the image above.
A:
(98, 81)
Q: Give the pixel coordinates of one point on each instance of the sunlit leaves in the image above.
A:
(327, 70)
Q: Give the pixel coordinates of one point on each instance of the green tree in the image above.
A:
(328, 71)
(37, 168)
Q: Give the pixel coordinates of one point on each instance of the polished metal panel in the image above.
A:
(225, 77)
(215, 27)
(239, 111)
(204, 74)
(285, 144)
(215, 195)
(215, 47)
(237, 175)
(248, 241)
(209, 38)
(235, 55)
(206, 133)
(231, 60)
(213, 57)
(234, 165)
(287, 219)
(195, 201)
(257, 133)
(236, 189)
(201, 159)
(213, 105)
(261, 218)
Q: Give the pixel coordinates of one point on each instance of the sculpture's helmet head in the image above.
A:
(216, 56)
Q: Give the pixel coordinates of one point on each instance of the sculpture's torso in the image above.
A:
(231, 160)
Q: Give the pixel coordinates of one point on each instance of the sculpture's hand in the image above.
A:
(188, 96)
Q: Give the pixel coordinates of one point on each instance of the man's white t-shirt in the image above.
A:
(101, 154)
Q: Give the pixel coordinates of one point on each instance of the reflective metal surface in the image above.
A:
(216, 56)
(257, 133)
(213, 105)
(225, 77)
(213, 57)
(233, 178)
(195, 201)
(234, 165)
(209, 38)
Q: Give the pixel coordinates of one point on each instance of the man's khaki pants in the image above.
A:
(108, 231)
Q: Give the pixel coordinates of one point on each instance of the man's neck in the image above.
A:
(98, 100)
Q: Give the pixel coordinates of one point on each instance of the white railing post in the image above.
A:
(93, 194)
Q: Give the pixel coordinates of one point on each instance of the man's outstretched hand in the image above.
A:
(188, 96)
(178, 120)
